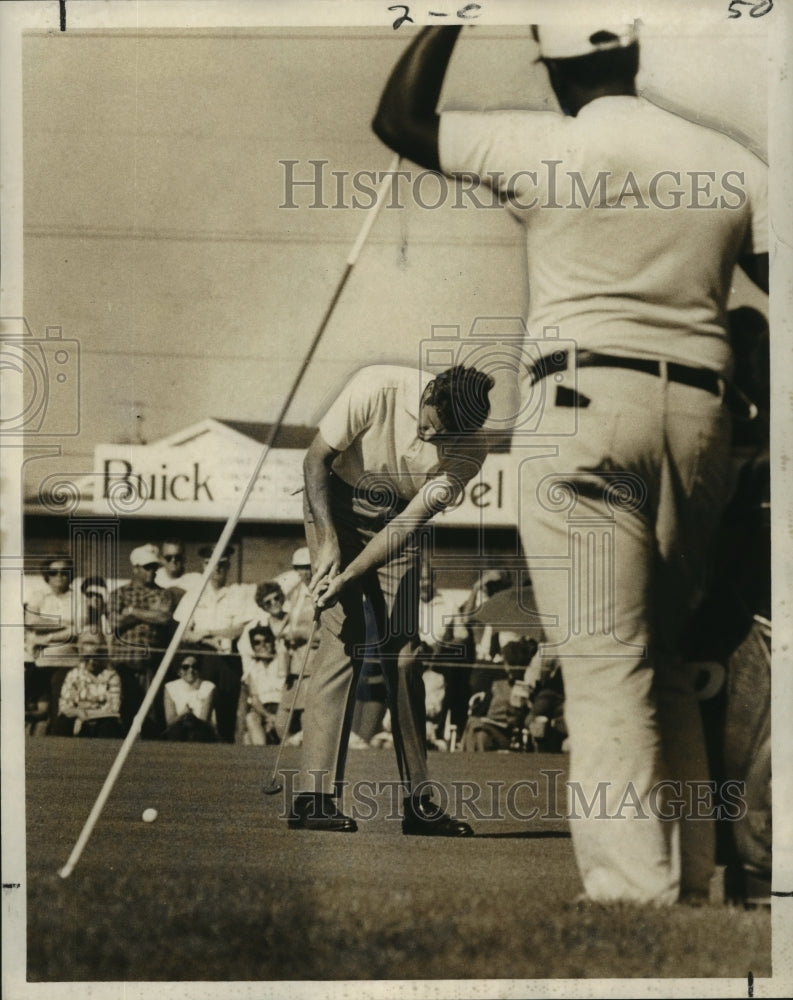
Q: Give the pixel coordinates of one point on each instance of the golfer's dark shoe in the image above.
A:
(319, 812)
(425, 819)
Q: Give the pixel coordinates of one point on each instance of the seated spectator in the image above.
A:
(498, 716)
(37, 713)
(90, 698)
(49, 638)
(141, 618)
(545, 721)
(494, 720)
(215, 625)
(263, 677)
(171, 575)
(188, 705)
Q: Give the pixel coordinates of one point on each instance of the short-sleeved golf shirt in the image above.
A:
(373, 424)
(668, 205)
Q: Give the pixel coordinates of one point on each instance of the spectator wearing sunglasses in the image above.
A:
(49, 634)
(270, 612)
(271, 618)
(49, 616)
(171, 575)
(188, 705)
(263, 674)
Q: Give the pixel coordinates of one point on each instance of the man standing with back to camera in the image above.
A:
(396, 447)
(636, 269)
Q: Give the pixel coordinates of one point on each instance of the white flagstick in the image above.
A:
(222, 542)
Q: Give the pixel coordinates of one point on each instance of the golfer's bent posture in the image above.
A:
(634, 221)
(396, 447)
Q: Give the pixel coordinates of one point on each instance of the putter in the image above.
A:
(274, 786)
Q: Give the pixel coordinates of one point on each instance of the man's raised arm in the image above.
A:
(406, 119)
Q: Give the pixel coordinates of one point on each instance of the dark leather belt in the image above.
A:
(379, 496)
(698, 378)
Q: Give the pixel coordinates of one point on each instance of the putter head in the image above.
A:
(272, 787)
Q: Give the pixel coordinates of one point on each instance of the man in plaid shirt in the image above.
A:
(141, 614)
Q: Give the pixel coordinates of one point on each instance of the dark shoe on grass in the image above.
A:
(423, 818)
(319, 812)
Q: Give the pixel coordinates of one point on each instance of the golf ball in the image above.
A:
(149, 815)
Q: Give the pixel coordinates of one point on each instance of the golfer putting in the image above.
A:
(396, 447)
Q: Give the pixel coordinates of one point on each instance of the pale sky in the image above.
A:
(155, 232)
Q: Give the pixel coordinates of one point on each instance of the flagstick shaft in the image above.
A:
(298, 682)
(222, 542)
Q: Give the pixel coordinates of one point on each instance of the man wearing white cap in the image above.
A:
(171, 575)
(300, 571)
(140, 615)
(634, 220)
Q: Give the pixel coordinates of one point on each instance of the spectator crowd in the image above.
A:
(243, 666)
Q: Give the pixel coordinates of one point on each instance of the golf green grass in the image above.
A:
(218, 888)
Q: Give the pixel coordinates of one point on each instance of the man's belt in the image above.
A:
(698, 378)
(377, 494)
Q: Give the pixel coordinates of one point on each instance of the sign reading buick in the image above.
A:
(203, 471)
(183, 487)
(200, 472)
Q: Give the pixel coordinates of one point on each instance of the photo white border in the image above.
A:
(19, 16)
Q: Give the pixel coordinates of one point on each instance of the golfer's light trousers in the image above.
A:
(386, 603)
(618, 514)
